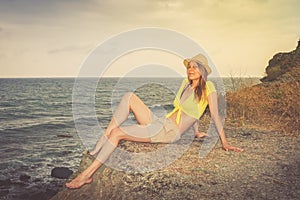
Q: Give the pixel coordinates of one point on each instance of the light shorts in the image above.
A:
(164, 130)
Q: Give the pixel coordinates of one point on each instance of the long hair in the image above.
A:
(200, 88)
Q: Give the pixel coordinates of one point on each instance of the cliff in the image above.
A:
(275, 102)
(282, 63)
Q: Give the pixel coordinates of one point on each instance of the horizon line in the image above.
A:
(53, 77)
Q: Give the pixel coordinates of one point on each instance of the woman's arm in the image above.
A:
(213, 107)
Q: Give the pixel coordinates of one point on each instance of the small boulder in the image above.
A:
(61, 172)
(24, 177)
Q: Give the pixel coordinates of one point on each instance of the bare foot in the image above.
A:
(79, 181)
(201, 135)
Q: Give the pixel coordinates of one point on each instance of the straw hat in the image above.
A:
(201, 59)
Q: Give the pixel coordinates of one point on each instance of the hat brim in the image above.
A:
(187, 60)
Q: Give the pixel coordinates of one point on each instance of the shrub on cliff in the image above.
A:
(275, 104)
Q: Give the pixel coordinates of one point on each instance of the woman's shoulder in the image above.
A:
(210, 83)
(210, 87)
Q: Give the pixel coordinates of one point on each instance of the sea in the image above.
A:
(38, 129)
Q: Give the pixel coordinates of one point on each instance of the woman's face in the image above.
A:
(193, 71)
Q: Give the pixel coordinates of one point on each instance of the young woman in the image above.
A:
(191, 100)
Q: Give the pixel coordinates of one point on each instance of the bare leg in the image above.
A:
(113, 134)
(103, 139)
(116, 135)
(129, 102)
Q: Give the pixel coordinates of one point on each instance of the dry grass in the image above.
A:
(275, 105)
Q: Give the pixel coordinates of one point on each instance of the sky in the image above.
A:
(53, 38)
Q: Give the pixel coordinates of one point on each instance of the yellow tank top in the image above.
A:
(190, 106)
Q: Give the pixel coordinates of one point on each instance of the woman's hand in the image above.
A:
(232, 148)
(200, 135)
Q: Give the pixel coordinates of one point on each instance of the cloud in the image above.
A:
(34, 11)
(63, 28)
(21, 11)
(33, 6)
(70, 49)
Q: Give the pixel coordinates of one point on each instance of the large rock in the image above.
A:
(273, 103)
(113, 184)
(282, 63)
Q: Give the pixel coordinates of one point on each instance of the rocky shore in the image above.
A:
(267, 169)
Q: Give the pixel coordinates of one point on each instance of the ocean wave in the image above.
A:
(61, 122)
